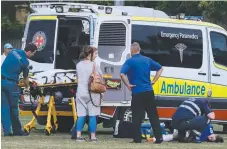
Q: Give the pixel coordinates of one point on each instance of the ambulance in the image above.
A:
(192, 53)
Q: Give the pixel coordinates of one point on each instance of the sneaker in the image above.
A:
(95, 140)
(80, 139)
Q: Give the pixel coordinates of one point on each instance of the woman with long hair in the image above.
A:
(86, 103)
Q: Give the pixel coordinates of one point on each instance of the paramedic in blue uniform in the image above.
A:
(137, 69)
(192, 116)
(15, 63)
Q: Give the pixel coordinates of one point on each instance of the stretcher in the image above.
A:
(39, 93)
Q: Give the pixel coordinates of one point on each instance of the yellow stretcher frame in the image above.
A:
(49, 128)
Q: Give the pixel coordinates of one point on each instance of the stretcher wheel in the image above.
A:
(53, 130)
(47, 132)
(27, 131)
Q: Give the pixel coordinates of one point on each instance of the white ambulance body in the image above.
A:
(193, 54)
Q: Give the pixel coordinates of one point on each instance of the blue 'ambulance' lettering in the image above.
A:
(182, 89)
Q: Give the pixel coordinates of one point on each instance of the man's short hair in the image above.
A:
(30, 47)
(219, 139)
(135, 45)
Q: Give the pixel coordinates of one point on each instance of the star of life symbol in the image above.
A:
(181, 47)
(39, 39)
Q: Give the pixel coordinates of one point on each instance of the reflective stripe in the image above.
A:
(16, 55)
(189, 108)
(195, 106)
(196, 132)
(208, 121)
(187, 133)
(168, 20)
(43, 18)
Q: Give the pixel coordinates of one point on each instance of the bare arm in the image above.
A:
(126, 82)
(157, 75)
(26, 82)
(124, 79)
(211, 116)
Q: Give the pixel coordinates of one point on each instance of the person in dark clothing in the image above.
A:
(191, 118)
(137, 69)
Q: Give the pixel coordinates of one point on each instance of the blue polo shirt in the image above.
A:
(137, 69)
(15, 63)
(207, 132)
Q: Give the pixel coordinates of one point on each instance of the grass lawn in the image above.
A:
(37, 139)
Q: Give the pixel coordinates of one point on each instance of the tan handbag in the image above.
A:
(96, 84)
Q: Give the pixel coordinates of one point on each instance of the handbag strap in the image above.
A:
(93, 101)
(89, 91)
(93, 68)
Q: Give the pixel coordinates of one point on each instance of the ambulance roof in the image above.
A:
(138, 13)
(169, 20)
(143, 12)
(99, 9)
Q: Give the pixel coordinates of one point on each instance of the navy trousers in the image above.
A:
(196, 125)
(9, 107)
(141, 103)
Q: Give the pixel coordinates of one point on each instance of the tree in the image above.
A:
(176, 7)
(215, 11)
(10, 27)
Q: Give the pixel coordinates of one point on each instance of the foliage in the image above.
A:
(10, 27)
(215, 11)
(175, 7)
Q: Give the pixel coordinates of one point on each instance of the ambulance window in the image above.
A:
(178, 47)
(219, 47)
(173, 47)
(146, 36)
(42, 33)
(112, 41)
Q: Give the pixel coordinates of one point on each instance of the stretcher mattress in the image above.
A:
(53, 77)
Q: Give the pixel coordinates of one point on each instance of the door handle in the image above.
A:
(202, 73)
(216, 75)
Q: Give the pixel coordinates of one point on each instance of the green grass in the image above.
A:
(37, 139)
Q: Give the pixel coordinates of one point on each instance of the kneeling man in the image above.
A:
(192, 116)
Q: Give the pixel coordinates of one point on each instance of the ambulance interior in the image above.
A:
(73, 35)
